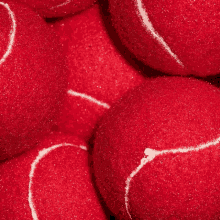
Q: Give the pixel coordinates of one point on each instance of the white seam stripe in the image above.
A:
(41, 155)
(151, 154)
(149, 26)
(89, 98)
(12, 32)
(60, 5)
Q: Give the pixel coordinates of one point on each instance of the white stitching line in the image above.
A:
(12, 32)
(41, 155)
(89, 98)
(60, 5)
(149, 27)
(151, 154)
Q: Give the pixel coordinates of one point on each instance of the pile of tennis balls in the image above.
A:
(109, 109)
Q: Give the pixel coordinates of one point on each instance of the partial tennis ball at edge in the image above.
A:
(57, 8)
(33, 78)
(176, 37)
(51, 181)
(156, 153)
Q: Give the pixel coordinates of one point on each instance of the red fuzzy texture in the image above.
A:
(161, 114)
(33, 78)
(189, 28)
(61, 184)
(57, 8)
(97, 69)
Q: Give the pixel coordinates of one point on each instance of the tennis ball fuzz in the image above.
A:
(33, 78)
(57, 8)
(156, 153)
(99, 74)
(176, 37)
(51, 181)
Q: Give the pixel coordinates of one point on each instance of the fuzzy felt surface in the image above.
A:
(99, 74)
(33, 78)
(57, 8)
(176, 37)
(156, 153)
(51, 181)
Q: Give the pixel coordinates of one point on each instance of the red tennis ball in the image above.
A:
(52, 181)
(33, 78)
(99, 74)
(57, 8)
(176, 37)
(156, 153)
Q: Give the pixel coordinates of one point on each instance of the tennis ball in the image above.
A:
(156, 153)
(176, 37)
(99, 74)
(32, 81)
(57, 8)
(51, 181)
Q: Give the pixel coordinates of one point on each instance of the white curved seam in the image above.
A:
(41, 155)
(150, 154)
(12, 32)
(149, 27)
(89, 98)
(62, 4)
